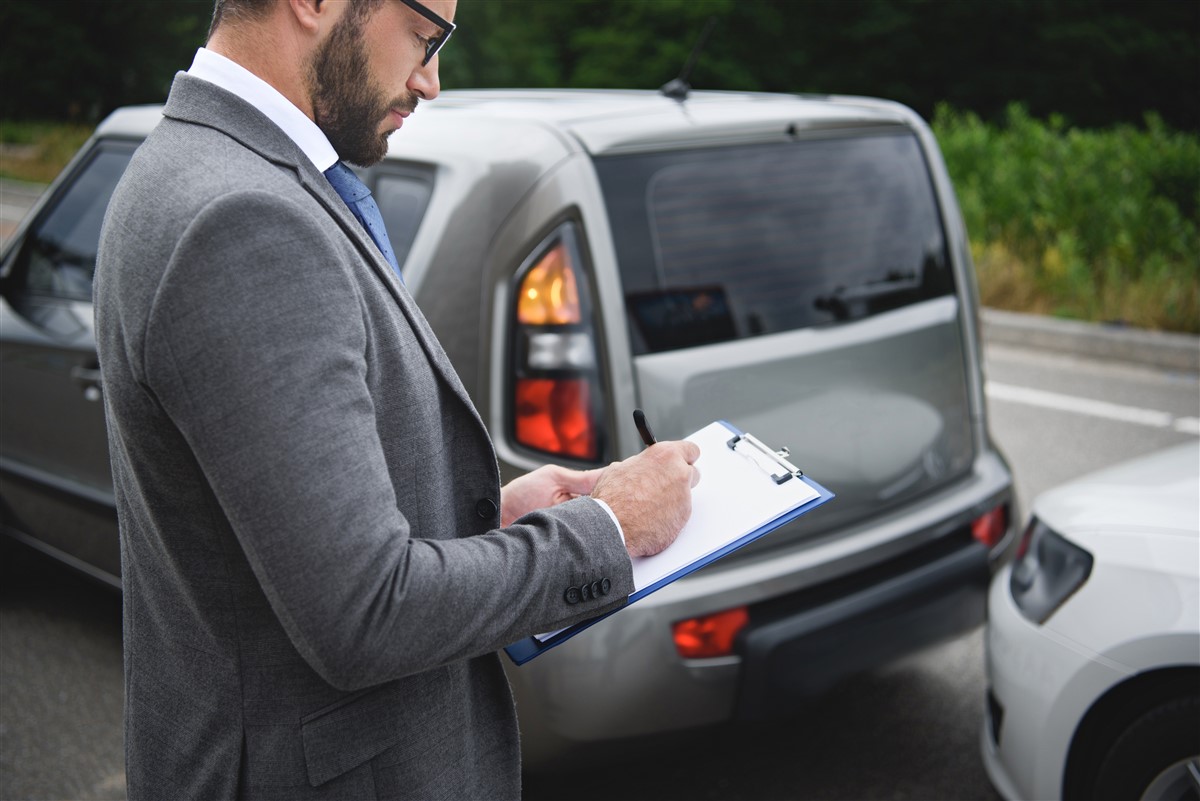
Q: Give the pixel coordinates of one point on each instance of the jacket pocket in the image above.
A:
(346, 734)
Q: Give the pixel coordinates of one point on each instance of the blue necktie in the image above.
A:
(359, 199)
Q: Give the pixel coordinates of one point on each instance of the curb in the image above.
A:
(1167, 351)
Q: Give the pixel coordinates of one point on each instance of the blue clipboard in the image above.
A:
(777, 468)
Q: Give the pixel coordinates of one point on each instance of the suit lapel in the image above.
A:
(320, 188)
(199, 102)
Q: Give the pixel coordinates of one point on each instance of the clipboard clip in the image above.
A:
(773, 462)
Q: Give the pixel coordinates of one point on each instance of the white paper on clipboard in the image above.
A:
(735, 496)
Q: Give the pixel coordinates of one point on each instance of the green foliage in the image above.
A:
(1098, 224)
(77, 60)
(1096, 61)
(38, 151)
(560, 43)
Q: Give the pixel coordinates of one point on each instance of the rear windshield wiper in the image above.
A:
(845, 303)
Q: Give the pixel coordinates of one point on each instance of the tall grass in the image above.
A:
(1093, 224)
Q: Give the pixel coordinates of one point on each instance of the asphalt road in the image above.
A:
(60, 682)
(908, 730)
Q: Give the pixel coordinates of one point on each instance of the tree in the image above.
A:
(1096, 62)
(79, 59)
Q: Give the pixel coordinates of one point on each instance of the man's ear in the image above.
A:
(313, 15)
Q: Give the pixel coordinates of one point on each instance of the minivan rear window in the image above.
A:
(718, 244)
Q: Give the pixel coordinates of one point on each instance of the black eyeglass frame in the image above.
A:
(447, 27)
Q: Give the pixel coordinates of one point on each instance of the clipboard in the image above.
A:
(746, 491)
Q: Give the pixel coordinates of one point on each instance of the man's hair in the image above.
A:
(233, 10)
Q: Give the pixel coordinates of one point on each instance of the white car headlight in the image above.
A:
(1048, 569)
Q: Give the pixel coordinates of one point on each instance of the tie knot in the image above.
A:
(346, 183)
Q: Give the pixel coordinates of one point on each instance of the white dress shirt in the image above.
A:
(233, 77)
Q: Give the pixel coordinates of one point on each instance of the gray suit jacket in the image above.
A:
(315, 582)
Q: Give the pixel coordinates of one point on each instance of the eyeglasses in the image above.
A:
(432, 46)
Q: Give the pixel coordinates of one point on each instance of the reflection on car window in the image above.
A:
(724, 243)
(60, 251)
(402, 198)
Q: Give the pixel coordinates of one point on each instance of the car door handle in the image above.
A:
(91, 379)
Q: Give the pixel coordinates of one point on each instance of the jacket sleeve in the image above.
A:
(257, 347)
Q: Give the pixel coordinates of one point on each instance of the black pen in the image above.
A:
(639, 420)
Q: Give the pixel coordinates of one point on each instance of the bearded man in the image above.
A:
(319, 563)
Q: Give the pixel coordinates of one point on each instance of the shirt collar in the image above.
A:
(233, 77)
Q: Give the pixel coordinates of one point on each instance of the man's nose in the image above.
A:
(424, 80)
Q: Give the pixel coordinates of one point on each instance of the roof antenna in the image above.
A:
(678, 88)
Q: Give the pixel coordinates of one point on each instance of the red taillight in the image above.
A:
(709, 636)
(991, 526)
(556, 397)
(552, 415)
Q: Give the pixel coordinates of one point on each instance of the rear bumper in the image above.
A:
(798, 646)
(819, 611)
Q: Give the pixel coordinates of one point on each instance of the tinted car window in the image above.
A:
(402, 198)
(724, 243)
(60, 251)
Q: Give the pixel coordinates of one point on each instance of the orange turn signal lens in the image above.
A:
(990, 527)
(549, 295)
(554, 415)
(709, 636)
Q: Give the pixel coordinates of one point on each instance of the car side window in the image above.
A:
(58, 257)
(402, 195)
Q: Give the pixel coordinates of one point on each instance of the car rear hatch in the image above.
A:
(803, 291)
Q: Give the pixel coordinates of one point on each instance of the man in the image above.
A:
(319, 564)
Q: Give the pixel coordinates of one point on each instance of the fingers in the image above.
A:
(689, 452)
(579, 482)
(650, 493)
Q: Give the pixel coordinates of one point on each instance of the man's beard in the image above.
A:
(348, 106)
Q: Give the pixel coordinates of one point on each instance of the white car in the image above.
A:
(1093, 640)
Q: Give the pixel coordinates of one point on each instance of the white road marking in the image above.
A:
(1095, 408)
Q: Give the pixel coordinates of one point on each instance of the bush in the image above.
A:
(1095, 224)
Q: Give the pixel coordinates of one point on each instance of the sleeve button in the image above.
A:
(485, 508)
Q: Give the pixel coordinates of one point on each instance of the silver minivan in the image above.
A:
(795, 265)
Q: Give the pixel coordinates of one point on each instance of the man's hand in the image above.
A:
(651, 494)
(546, 486)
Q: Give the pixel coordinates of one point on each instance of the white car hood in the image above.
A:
(1142, 514)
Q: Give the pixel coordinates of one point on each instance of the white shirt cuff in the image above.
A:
(616, 522)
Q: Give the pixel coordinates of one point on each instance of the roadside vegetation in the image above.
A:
(1100, 225)
(37, 151)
